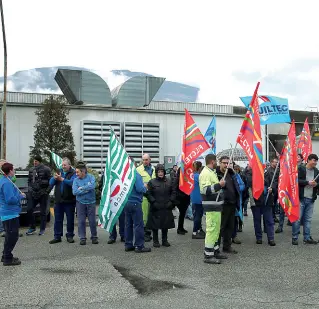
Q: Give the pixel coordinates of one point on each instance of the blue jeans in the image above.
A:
(134, 226)
(1, 227)
(198, 215)
(59, 211)
(83, 211)
(267, 213)
(113, 234)
(306, 212)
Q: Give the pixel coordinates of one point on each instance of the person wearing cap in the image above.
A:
(10, 208)
(38, 186)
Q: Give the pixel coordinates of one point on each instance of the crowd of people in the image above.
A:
(222, 192)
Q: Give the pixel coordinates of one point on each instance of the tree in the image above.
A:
(53, 132)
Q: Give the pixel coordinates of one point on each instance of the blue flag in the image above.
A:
(271, 109)
(210, 136)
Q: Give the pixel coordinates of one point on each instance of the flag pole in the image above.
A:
(3, 174)
(272, 181)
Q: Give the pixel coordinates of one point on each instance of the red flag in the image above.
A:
(194, 145)
(249, 139)
(288, 190)
(305, 144)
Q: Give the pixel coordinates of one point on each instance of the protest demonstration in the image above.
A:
(150, 158)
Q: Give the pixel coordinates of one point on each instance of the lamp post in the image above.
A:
(4, 106)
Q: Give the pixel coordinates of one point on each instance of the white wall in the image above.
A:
(21, 121)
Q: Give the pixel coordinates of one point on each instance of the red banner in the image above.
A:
(305, 144)
(249, 139)
(288, 190)
(193, 146)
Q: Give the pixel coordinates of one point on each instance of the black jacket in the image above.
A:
(160, 195)
(302, 181)
(66, 196)
(38, 180)
(179, 198)
(231, 191)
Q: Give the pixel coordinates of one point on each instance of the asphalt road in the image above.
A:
(104, 276)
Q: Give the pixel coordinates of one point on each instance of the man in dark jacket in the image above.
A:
(273, 173)
(308, 189)
(231, 201)
(64, 201)
(38, 183)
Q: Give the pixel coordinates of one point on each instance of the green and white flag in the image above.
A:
(119, 179)
(57, 160)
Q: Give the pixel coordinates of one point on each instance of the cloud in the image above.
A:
(298, 81)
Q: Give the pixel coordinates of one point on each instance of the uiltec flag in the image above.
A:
(271, 109)
(119, 179)
(249, 139)
(210, 135)
(305, 144)
(288, 190)
(193, 146)
(57, 160)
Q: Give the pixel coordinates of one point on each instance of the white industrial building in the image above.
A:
(156, 129)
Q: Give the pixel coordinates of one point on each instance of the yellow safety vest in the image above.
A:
(145, 175)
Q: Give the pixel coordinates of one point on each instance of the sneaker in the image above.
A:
(166, 244)
(279, 230)
(70, 240)
(54, 241)
(271, 243)
(41, 233)
(14, 262)
(236, 241)
(295, 242)
(30, 232)
(129, 249)
(3, 234)
(198, 235)
(230, 250)
(220, 256)
(211, 260)
(156, 244)
(111, 241)
(259, 241)
(143, 250)
(83, 242)
(310, 241)
(95, 241)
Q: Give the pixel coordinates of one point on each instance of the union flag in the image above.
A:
(288, 190)
(249, 139)
(305, 144)
(194, 145)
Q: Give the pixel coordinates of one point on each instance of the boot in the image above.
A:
(211, 260)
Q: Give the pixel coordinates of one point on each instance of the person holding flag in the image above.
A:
(134, 224)
(308, 189)
(64, 201)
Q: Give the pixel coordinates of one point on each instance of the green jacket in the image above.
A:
(209, 187)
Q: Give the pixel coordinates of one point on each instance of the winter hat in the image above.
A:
(38, 158)
(160, 167)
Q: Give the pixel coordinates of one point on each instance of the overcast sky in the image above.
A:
(223, 47)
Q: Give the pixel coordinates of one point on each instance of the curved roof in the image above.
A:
(239, 154)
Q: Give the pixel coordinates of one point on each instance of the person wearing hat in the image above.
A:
(161, 195)
(38, 186)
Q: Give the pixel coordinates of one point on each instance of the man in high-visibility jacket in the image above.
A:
(209, 186)
(147, 171)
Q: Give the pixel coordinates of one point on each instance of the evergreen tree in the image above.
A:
(53, 131)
